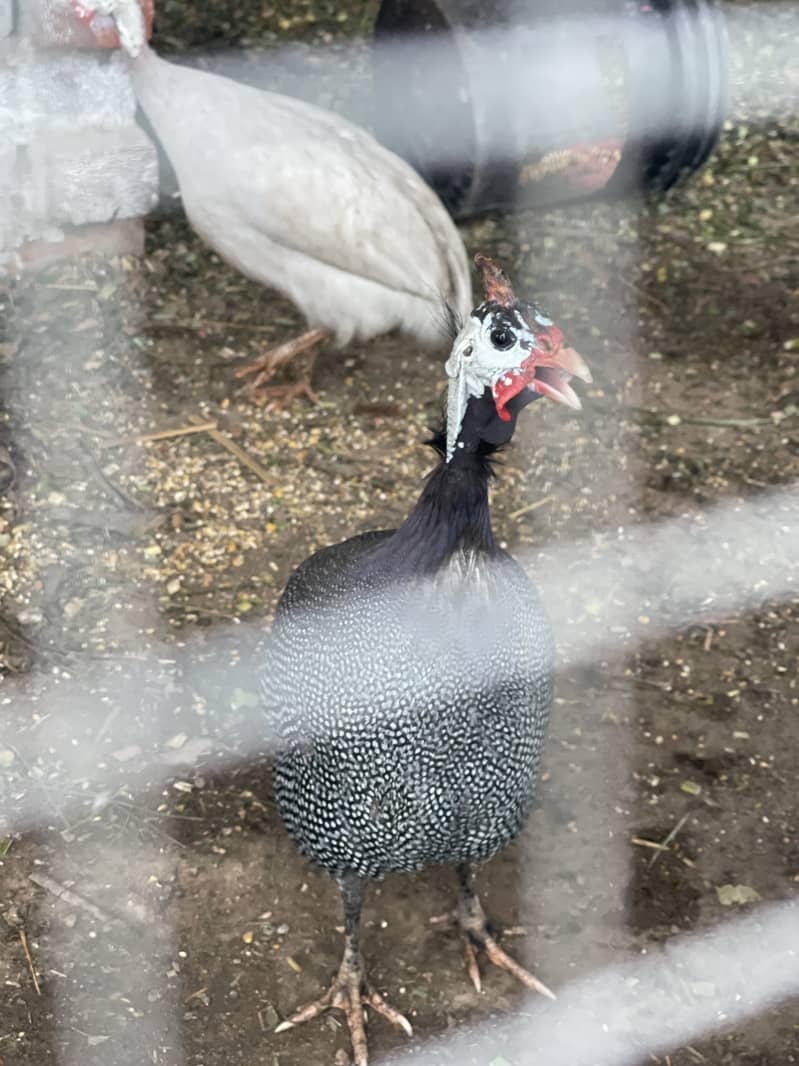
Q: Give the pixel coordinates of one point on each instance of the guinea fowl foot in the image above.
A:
(351, 993)
(478, 936)
(266, 366)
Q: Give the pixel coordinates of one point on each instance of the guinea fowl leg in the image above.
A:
(351, 990)
(266, 366)
(477, 934)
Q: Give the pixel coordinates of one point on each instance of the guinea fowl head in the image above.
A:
(115, 22)
(507, 354)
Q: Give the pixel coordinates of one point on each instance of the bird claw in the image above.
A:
(267, 364)
(474, 939)
(472, 967)
(495, 954)
(478, 935)
(280, 396)
(350, 993)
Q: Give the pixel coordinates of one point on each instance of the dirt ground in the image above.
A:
(154, 908)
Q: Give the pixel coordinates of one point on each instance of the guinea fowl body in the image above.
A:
(301, 200)
(411, 674)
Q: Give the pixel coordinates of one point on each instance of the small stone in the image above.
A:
(732, 895)
(73, 607)
(125, 754)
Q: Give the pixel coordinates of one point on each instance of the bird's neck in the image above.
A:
(451, 516)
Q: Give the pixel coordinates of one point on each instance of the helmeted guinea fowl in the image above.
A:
(410, 671)
(300, 199)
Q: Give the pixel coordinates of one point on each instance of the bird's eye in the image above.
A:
(467, 352)
(502, 337)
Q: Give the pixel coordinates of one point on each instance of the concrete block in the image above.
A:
(92, 175)
(8, 96)
(70, 90)
(8, 166)
(9, 194)
(113, 238)
(54, 24)
(6, 17)
(75, 170)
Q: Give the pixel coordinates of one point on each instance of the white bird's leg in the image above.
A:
(478, 935)
(267, 364)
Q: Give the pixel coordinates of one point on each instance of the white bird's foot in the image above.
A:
(266, 366)
(280, 396)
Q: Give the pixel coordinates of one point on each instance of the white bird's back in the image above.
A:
(304, 201)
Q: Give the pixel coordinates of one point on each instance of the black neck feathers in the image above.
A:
(451, 515)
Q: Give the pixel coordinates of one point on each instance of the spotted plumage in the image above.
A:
(409, 675)
(412, 711)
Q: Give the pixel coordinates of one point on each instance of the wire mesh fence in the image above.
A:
(155, 909)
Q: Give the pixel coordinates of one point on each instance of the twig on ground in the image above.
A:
(70, 897)
(31, 967)
(696, 1054)
(642, 843)
(160, 434)
(668, 840)
(236, 451)
(644, 295)
(89, 286)
(531, 507)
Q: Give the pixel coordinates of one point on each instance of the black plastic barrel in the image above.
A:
(531, 104)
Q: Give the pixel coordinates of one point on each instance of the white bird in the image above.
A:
(300, 199)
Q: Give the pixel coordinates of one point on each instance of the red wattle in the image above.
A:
(511, 384)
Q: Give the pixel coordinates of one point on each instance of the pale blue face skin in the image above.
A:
(490, 348)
